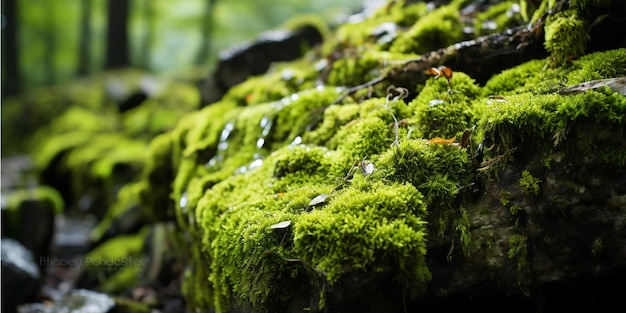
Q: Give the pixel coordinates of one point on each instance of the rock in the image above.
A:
(254, 58)
(28, 216)
(21, 277)
(83, 301)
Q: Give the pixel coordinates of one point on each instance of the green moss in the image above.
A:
(530, 184)
(444, 112)
(161, 112)
(519, 251)
(47, 198)
(598, 65)
(566, 37)
(117, 262)
(282, 80)
(357, 67)
(543, 122)
(335, 116)
(126, 200)
(438, 29)
(45, 194)
(522, 78)
(438, 171)
(362, 33)
(365, 227)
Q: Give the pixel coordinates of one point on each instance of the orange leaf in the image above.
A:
(432, 71)
(442, 141)
(446, 71)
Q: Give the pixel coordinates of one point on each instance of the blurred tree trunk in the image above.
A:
(11, 80)
(84, 45)
(148, 34)
(117, 34)
(50, 41)
(207, 27)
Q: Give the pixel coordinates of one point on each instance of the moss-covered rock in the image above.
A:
(295, 194)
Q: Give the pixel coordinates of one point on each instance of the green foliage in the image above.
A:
(530, 184)
(519, 251)
(519, 79)
(465, 235)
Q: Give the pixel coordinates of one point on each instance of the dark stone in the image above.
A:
(132, 101)
(36, 226)
(21, 277)
(254, 58)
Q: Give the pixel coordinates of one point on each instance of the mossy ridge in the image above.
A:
(362, 33)
(543, 122)
(438, 29)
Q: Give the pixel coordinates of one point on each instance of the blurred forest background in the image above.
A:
(50, 42)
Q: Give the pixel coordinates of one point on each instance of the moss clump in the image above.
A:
(439, 172)
(365, 227)
(438, 29)
(566, 36)
(441, 111)
(519, 251)
(117, 262)
(530, 184)
(364, 32)
(45, 194)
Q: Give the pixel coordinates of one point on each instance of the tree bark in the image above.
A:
(207, 27)
(11, 80)
(84, 46)
(50, 43)
(117, 35)
(148, 34)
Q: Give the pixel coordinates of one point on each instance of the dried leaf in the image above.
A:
(467, 137)
(281, 225)
(318, 200)
(446, 72)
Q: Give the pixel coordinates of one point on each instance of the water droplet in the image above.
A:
(435, 102)
(183, 202)
(296, 141)
(259, 143)
(255, 164)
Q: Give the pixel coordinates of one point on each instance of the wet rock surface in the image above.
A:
(21, 277)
